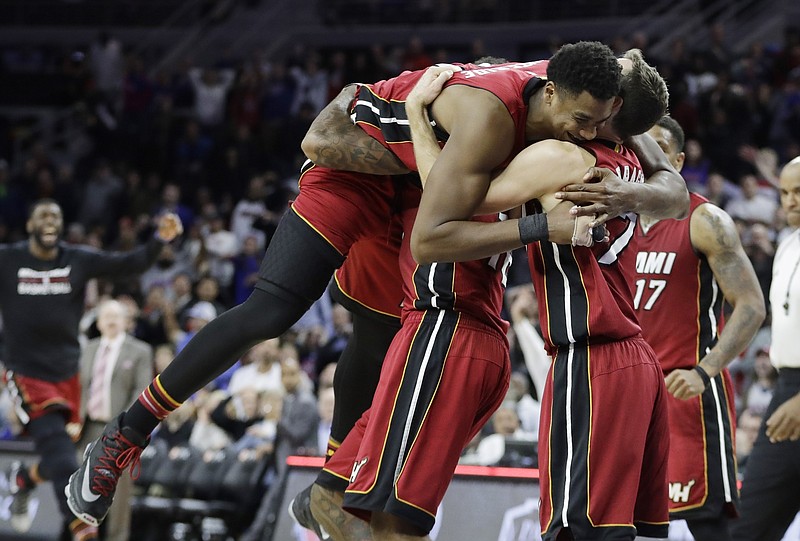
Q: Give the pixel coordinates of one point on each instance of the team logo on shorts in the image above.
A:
(679, 493)
(357, 465)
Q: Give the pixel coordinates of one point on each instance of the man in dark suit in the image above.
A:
(114, 367)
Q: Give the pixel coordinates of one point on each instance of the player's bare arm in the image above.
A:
(537, 173)
(534, 174)
(460, 176)
(427, 89)
(714, 235)
(530, 177)
(663, 194)
(333, 141)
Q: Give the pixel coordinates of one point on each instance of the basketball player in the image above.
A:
(684, 271)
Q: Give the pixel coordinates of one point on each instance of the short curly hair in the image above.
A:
(585, 66)
(645, 97)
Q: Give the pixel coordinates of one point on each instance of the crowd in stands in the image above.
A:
(220, 146)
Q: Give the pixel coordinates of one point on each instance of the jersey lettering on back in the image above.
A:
(587, 291)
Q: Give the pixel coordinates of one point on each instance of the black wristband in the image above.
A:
(533, 227)
(703, 375)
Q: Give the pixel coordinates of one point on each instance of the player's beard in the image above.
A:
(49, 243)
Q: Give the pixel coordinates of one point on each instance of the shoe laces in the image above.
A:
(118, 453)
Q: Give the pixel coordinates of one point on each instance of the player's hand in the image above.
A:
(602, 194)
(169, 227)
(430, 85)
(684, 384)
(784, 424)
(564, 228)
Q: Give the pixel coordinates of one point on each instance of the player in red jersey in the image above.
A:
(684, 271)
(570, 163)
(603, 438)
(445, 373)
(336, 209)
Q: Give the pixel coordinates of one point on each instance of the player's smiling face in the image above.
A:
(577, 118)
(46, 225)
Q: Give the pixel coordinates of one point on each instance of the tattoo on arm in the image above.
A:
(333, 141)
(737, 280)
(349, 148)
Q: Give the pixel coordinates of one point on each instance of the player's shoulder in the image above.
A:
(712, 229)
(562, 153)
(706, 212)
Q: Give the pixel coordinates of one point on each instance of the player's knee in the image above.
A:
(266, 315)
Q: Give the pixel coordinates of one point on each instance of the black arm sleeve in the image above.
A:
(114, 264)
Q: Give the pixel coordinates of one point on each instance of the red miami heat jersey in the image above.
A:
(668, 272)
(380, 108)
(586, 294)
(474, 287)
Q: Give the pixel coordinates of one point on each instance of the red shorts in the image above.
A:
(345, 207)
(357, 214)
(604, 443)
(702, 461)
(369, 280)
(34, 397)
(442, 379)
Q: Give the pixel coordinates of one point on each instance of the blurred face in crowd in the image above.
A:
(267, 352)
(131, 311)
(163, 356)
(762, 366)
(45, 225)
(289, 351)
(326, 376)
(207, 289)
(341, 319)
(790, 191)
(505, 421)
(112, 319)
(749, 184)
(746, 432)
(250, 402)
(325, 404)
(182, 285)
(290, 375)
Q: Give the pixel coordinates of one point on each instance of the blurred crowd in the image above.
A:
(220, 146)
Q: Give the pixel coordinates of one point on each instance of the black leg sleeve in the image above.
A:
(294, 273)
(358, 371)
(58, 455)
